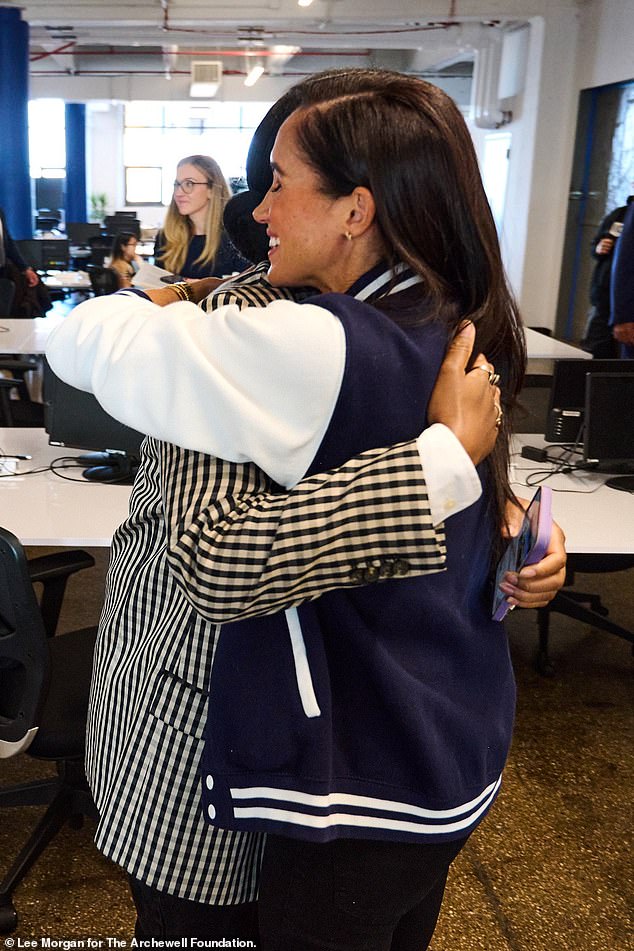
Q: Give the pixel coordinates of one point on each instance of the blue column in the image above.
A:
(15, 181)
(76, 161)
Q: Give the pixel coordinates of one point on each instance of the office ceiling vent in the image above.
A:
(206, 76)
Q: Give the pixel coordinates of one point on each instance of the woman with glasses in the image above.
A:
(193, 242)
(124, 260)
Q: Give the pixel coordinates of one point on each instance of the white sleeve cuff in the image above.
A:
(452, 481)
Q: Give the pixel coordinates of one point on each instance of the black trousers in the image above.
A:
(598, 339)
(352, 894)
(160, 915)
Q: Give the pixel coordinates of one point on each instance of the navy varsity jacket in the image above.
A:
(384, 711)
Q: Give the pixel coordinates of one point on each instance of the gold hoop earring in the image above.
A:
(348, 236)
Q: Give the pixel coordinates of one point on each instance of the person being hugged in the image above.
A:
(193, 242)
(364, 730)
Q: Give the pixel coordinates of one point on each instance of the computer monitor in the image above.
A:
(49, 193)
(566, 410)
(55, 253)
(608, 441)
(31, 251)
(45, 254)
(47, 221)
(75, 419)
(114, 224)
(80, 232)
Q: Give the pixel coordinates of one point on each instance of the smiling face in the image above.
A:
(307, 229)
(194, 204)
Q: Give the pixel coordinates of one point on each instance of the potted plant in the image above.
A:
(98, 206)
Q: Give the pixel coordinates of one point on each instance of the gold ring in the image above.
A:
(494, 378)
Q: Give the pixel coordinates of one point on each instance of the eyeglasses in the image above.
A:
(187, 185)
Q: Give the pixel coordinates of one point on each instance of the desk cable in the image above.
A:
(53, 466)
(56, 466)
(561, 464)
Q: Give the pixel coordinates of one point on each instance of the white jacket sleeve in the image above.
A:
(257, 384)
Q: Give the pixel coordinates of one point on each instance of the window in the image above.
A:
(143, 185)
(157, 135)
(47, 151)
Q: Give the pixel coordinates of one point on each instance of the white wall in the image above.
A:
(104, 152)
(539, 173)
(606, 52)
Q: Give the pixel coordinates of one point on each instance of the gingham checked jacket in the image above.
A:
(237, 550)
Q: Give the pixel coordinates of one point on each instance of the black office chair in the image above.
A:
(7, 294)
(44, 686)
(103, 280)
(22, 411)
(100, 248)
(581, 605)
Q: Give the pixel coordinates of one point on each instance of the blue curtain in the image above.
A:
(15, 181)
(76, 209)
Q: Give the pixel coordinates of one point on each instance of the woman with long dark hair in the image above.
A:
(366, 730)
(124, 260)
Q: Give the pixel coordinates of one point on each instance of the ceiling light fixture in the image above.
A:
(253, 75)
(304, 3)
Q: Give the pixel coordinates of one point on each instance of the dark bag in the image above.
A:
(28, 301)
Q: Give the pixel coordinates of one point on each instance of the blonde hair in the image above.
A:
(177, 228)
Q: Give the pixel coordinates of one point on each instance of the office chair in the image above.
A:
(7, 294)
(103, 280)
(581, 605)
(44, 681)
(100, 247)
(22, 411)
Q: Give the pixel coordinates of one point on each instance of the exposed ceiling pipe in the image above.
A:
(139, 51)
(68, 49)
(418, 28)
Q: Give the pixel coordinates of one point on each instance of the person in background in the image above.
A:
(622, 287)
(124, 260)
(9, 252)
(193, 242)
(598, 339)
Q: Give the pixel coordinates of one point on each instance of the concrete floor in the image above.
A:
(550, 869)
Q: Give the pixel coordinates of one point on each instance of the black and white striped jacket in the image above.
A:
(207, 541)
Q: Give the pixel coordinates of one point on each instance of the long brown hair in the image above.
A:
(406, 141)
(177, 228)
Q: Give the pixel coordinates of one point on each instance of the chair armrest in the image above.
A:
(53, 572)
(58, 564)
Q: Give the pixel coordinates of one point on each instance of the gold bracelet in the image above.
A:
(183, 290)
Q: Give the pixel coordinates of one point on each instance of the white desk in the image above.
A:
(541, 347)
(67, 281)
(28, 334)
(599, 522)
(43, 509)
(46, 510)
